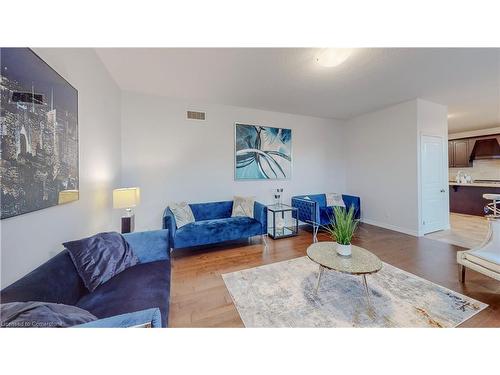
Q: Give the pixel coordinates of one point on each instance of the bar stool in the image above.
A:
(494, 206)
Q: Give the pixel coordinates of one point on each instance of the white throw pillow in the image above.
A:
(334, 199)
(182, 212)
(243, 206)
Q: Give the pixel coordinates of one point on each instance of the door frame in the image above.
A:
(446, 211)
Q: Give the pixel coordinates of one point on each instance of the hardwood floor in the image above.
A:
(465, 230)
(199, 297)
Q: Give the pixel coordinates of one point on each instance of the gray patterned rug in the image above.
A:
(282, 295)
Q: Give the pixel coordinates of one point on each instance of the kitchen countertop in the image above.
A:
(475, 184)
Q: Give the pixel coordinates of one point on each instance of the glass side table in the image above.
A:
(281, 221)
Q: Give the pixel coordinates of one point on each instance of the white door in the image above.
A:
(434, 192)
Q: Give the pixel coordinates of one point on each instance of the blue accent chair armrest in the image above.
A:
(260, 214)
(150, 246)
(170, 224)
(144, 318)
(351, 200)
(308, 210)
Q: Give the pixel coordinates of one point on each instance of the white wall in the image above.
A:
(382, 166)
(174, 159)
(29, 240)
(383, 162)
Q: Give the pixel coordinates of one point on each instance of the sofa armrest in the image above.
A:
(307, 209)
(351, 200)
(260, 214)
(150, 318)
(150, 246)
(170, 224)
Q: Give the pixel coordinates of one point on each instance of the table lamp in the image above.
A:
(127, 198)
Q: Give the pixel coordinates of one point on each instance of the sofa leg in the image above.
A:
(264, 241)
(461, 273)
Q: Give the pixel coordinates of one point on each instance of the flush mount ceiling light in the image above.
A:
(330, 57)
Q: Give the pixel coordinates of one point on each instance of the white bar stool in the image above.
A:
(494, 206)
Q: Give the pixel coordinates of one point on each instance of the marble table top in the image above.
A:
(360, 262)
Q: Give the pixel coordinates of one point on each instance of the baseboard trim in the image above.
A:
(395, 228)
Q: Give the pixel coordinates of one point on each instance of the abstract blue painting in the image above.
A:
(262, 153)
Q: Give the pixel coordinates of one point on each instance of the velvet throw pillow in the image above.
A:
(42, 315)
(334, 199)
(182, 213)
(243, 206)
(98, 258)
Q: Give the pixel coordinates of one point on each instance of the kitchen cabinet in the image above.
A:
(468, 199)
(462, 151)
(459, 153)
(451, 154)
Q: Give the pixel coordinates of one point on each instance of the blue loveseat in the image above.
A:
(312, 209)
(214, 224)
(128, 298)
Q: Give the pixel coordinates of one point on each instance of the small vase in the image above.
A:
(344, 250)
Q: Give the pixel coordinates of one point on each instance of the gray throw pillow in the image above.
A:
(243, 206)
(182, 213)
(334, 199)
(99, 258)
(42, 315)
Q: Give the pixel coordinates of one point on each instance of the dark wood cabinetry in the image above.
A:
(462, 154)
(459, 152)
(469, 199)
(451, 154)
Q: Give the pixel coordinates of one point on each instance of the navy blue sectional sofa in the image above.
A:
(136, 292)
(312, 209)
(214, 224)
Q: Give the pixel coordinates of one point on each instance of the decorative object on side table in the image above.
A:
(127, 198)
(341, 229)
(39, 135)
(278, 194)
(283, 221)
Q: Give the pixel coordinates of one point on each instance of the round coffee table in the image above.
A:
(360, 262)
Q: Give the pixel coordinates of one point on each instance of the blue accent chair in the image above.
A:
(214, 224)
(136, 292)
(315, 212)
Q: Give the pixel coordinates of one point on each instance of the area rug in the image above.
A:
(282, 295)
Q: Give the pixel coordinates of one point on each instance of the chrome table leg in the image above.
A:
(320, 273)
(264, 240)
(315, 233)
(367, 291)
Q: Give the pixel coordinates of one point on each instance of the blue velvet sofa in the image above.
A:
(138, 295)
(214, 224)
(315, 212)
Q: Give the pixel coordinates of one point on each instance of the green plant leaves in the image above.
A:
(342, 225)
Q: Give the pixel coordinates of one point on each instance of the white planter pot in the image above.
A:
(344, 250)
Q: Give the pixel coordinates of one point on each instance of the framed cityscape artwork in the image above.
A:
(38, 135)
(262, 152)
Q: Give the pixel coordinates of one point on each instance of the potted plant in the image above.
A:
(341, 229)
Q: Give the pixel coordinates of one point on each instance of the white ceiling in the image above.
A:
(467, 80)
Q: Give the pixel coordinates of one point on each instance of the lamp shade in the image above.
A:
(126, 197)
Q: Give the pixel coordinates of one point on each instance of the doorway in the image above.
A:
(433, 184)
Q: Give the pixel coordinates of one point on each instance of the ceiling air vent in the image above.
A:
(193, 115)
